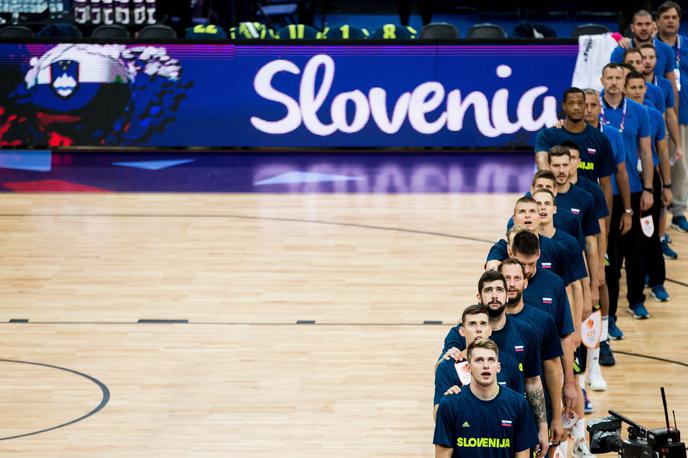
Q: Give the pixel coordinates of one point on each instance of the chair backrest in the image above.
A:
(346, 32)
(394, 32)
(111, 31)
(486, 31)
(439, 31)
(298, 32)
(251, 31)
(205, 32)
(60, 30)
(16, 31)
(589, 29)
(156, 32)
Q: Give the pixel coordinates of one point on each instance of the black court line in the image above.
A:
(103, 401)
(655, 358)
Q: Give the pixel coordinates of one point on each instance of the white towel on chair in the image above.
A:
(593, 54)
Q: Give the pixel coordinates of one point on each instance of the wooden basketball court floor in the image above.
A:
(85, 378)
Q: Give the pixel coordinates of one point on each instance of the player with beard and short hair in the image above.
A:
(450, 374)
(514, 338)
(547, 337)
(485, 420)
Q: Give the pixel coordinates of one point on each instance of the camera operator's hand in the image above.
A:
(556, 430)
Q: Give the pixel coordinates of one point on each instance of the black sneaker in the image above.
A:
(606, 354)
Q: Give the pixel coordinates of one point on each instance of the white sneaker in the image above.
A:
(595, 379)
(581, 450)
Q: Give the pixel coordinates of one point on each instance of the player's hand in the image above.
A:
(543, 443)
(559, 124)
(569, 395)
(646, 200)
(556, 431)
(454, 353)
(626, 223)
(595, 299)
(601, 278)
(453, 390)
(667, 196)
(678, 153)
(625, 43)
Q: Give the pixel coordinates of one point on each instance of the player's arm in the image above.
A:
(625, 193)
(535, 395)
(553, 376)
(606, 185)
(672, 126)
(671, 76)
(444, 452)
(602, 249)
(648, 171)
(541, 160)
(570, 389)
(592, 253)
(665, 169)
(523, 454)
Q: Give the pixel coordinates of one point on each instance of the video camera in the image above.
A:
(605, 436)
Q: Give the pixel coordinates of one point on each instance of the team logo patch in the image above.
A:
(592, 151)
(575, 211)
(64, 77)
(466, 424)
(518, 347)
(546, 265)
(546, 300)
(506, 423)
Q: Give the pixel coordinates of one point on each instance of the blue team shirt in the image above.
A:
(515, 338)
(577, 265)
(667, 89)
(596, 156)
(619, 148)
(683, 67)
(446, 376)
(665, 56)
(636, 125)
(552, 257)
(655, 97)
(546, 291)
(601, 209)
(582, 205)
(498, 428)
(657, 131)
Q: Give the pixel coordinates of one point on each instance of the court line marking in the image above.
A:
(103, 401)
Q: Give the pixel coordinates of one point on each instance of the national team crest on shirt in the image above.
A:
(575, 211)
(64, 77)
(506, 423)
(592, 151)
(546, 265)
(518, 348)
(546, 300)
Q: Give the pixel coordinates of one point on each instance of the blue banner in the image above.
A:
(224, 95)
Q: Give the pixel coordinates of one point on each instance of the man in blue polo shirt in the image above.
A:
(653, 95)
(671, 116)
(668, 24)
(616, 227)
(642, 30)
(652, 249)
(486, 420)
(513, 337)
(451, 374)
(548, 341)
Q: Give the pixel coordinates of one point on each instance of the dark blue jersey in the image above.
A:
(546, 291)
(498, 428)
(596, 156)
(447, 376)
(582, 205)
(595, 190)
(515, 338)
(553, 257)
(576, 262)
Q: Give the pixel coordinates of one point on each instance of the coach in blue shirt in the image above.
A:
(668, 23)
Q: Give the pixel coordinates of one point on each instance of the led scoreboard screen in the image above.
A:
(276, 95)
